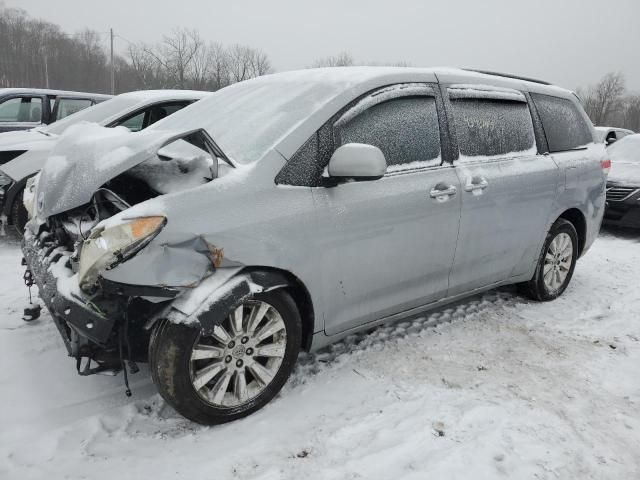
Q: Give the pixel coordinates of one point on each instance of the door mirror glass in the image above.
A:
(358, 161)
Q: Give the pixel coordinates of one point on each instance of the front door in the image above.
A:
(387, 245)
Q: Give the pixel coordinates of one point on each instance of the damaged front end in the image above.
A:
(93, 256)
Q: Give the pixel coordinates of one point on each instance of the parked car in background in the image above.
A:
(25, 108)
(623, 184)
(28, 150)
(286, 212)
(610, 135)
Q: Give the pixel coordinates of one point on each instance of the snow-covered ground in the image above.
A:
(497, 387)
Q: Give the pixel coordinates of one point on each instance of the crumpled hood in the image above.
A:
(85, 157)
(25, 140)
(625, 173)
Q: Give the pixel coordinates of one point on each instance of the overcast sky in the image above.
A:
(568, 42)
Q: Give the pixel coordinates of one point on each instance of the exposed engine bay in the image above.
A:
(68, 251)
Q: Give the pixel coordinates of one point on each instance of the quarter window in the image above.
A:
(405, 129)
(21, 109)
(564, 125)
(490, 127)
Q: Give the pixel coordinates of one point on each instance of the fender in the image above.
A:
(209, 303)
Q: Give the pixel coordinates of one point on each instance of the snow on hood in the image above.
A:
(25, 140)
(36, 146)
(625, 160)
(27, 164)
(85, 157)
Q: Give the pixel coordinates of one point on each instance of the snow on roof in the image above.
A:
(44, 91)
(163, 95)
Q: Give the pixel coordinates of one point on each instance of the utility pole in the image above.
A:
(46, 68)
(113, 68)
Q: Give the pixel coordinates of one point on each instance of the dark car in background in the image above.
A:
(25, 108)
(623, 184)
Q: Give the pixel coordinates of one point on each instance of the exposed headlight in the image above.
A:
(106, 248)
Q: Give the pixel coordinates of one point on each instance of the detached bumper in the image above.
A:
(70, 310)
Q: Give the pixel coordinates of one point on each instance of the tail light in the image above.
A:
(606, 166)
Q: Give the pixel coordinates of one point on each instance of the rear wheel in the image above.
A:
(236, 370)
(556, 264)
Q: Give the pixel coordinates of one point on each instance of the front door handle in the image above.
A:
(442, 192)
(476, 184)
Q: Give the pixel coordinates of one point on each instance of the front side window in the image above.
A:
(405, 129)
(21, 109)
(490, 127)
(69, 106)
(564, 125)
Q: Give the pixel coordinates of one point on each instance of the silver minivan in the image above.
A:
(286, 212)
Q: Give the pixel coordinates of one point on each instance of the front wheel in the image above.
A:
(236, 370)
(556, 264)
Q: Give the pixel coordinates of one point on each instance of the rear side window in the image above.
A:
(487, 127)
(21, 109)
(564, 125)
(405, 129)
(69, 106)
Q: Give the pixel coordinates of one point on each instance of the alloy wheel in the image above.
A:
(241, 357)
(557, 262)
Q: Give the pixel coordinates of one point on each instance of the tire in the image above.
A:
(541, 287)
(177, 375)
(18, 216)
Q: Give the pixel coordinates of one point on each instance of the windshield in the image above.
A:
(248, 118)
(626, 150)
(97, 113)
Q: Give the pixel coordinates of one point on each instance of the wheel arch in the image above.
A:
(215, 296)
(578, 220)
(273, 278)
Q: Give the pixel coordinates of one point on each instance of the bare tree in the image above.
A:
(176, 54)
(631, 113)
(602, 99)
(246, 62)
(35, 53)
(145, 66)
(343, 59)
(219, 68)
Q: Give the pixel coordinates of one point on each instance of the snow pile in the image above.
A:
(496, 387)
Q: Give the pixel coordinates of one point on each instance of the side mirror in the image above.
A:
(357, 161)
(611, 140)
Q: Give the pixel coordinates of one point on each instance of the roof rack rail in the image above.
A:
(507, 75)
